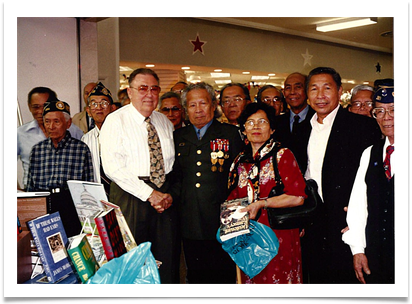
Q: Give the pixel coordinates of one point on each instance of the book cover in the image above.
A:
(71, 278)
(232, 221)
(110, 234)
(50, 239)
(86, 198)
(82, 256)
(31, 205)
(127, 235)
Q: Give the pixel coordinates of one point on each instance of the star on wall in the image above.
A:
(307, 58)
(198, 45)
(378, 68)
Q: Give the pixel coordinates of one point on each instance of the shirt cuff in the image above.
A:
(357, 249)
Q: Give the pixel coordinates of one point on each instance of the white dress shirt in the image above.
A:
(91, 138)
(317, 144)
(125, 151)
(358, 204)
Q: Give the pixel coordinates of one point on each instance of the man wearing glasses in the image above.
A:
(171, 107)
(370, 215)
(137, 154)
(273, 97)
(361, 100)
(233, 98)
(99, 105)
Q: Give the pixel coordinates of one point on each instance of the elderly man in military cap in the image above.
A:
(99, 105)
(370, 215)
(56, 160)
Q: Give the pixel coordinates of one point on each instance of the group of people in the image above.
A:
(169, 162)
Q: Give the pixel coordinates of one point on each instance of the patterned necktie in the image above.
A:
(387, 162)
(157, 173)
(92, 124)
(295, 124)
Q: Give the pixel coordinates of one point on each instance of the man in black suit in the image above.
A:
(205, 149)
(335, 146)
(293, 129)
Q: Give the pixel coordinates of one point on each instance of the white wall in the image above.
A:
(47, 55)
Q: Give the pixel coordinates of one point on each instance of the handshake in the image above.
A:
(160, 201)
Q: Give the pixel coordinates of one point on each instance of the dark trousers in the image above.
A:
(208, 263)
(146, 225)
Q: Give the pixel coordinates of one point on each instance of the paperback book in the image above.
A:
(82, 256)
(86, 198)
(50, 239)
(232, 221)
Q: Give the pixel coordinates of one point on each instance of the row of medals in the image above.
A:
(220, 152)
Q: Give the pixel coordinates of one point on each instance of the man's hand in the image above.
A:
(360, 265)
(160, 201)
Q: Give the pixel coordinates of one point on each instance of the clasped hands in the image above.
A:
(160, 201)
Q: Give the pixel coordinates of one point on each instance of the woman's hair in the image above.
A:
(252, 108)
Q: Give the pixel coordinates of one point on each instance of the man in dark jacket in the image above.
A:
(335, 146)
(205, 150)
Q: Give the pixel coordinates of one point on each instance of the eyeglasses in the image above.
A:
(236, 100)
(144, 89)
(358, 104)
(174, 110)
(249, 124)
(269, 101)
(380, 112)
(95, 104)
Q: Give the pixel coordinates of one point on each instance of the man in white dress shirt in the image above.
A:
(99, 105)
(370, 215)
(126, 159)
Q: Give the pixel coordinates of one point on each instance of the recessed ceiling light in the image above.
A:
(223, 81)
(245, 73)
(366, 82)
(260, 77)
(218, 70)
(220, 75)
(272, 74)
(185, 68)
(150, 65)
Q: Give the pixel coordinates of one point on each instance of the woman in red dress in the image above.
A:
(252, 175)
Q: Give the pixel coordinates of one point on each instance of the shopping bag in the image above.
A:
(137, 266)
(252, 251)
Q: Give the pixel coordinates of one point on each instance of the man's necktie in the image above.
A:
(295, 124)
(92, 124)
(198, 135)
(387, 162)
(157, 173)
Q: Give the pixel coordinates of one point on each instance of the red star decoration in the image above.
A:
(198, 44)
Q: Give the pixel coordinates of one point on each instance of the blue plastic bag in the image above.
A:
(253, 251)
(137, 266)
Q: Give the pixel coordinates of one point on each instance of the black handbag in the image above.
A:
(294, 217)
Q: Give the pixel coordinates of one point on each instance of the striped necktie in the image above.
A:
(387, 162)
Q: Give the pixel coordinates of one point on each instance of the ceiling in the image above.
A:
(376, 37)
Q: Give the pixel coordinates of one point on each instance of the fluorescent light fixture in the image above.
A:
(223, 81)
(218, 70)
(366, 82)
(260, 77)
(220, 75)
(245, 73)
(185, 68)
(150, 65)
(344, 23)
(124, 69)
(271, 74)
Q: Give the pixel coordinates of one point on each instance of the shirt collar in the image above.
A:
(327, 121)
(203, 129)
(62, 143)
(302, 114)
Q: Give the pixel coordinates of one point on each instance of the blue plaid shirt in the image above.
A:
(52, 167)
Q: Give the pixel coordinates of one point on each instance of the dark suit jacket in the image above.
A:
(296, 143)
(197, 190)
(330, 259)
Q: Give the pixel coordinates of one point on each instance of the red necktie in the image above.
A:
(387, 162)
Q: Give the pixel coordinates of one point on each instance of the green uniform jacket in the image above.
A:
(196, 189)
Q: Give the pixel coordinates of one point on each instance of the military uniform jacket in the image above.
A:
(196, 189)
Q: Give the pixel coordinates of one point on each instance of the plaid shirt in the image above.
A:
(52, 167)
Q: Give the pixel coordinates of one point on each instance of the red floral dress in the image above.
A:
(286, 266)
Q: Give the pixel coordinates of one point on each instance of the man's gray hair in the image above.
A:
(66, 116)
(196, 86)
(361, 87)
